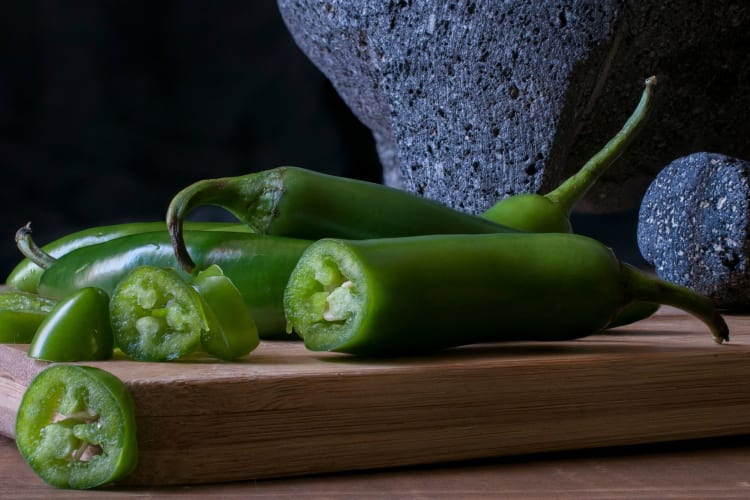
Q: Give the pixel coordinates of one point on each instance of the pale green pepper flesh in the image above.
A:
(76, 428)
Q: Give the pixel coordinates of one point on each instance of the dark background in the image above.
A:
(108, 108)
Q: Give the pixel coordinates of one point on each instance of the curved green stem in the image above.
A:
(648, 289)
(252, 199)
(30, 250)
(573, 189)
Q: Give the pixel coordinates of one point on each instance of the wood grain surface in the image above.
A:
(703, 469)
(286, 411)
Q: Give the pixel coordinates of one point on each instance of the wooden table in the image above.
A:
(716, 468)
(230, 429)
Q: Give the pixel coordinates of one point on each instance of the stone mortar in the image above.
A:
(693, 226)
(470, 101)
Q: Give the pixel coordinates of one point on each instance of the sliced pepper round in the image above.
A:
(156, 315)
(75, 427)
(77, 329)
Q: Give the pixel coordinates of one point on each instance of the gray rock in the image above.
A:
(473, 100)
(693, 226)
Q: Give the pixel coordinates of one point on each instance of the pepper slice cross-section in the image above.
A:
(76, 427)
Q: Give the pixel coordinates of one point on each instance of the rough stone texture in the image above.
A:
(473, 100)
(693, 226)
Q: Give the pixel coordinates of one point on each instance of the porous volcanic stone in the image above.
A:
(693, 226)
(473, 100)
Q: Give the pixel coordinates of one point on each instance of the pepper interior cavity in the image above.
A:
(328, 300)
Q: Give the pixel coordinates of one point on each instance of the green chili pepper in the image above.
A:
(21, 313)
(231, 331)
(16, 300)
(75, 427)
(18, 327)
(156, 315)
(419, 294)
(77, 329)
(25, 276)
(259, 266)
(634, 312)
(295, 202)
(550, 213)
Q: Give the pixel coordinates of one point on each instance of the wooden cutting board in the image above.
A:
(286, 411)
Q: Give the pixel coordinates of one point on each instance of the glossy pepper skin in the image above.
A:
(21, 313)
(299, 203)
(415, 295)
(76, 428)
(76, 329)
(232, 332)
(550, 213)
(259, 266)
(25, 276)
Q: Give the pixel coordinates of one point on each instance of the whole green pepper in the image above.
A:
(25, 276)
(550, 213)
(419, 294)
(259, 266)
(21, 313)
(75, 427)
(291, 201)
(76, 329)
(300, 203)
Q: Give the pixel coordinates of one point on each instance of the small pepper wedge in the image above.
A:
(420, 294)
(21, 313)
(77, 329)
(232, 332)
(76, 428)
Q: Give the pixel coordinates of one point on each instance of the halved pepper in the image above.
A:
(75, 427)
(419, 294)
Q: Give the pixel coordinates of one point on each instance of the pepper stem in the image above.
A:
(567, 194)
(198, 193)
(31, 250)
(649, 289)
(251, 198)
